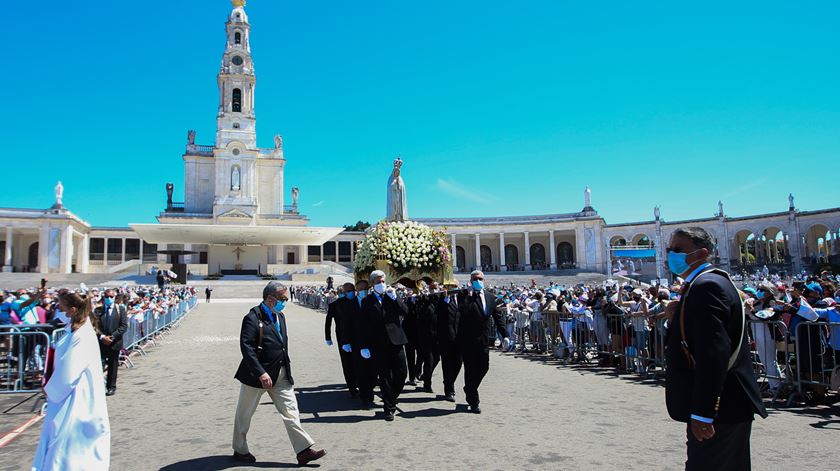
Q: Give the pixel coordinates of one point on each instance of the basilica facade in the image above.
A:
(235, 218)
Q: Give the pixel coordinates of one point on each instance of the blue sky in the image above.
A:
(498, 108)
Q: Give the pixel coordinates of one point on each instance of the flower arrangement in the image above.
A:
(405, 246)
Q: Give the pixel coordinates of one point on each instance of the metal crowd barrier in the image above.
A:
(145, 328)
(24, 352)
(817, 354)
(314, 300)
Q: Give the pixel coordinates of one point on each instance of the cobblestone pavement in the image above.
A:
(174, 411)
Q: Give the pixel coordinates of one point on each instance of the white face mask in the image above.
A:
(62, 317)
(380, 287)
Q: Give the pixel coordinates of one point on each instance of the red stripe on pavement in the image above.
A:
(5, 439)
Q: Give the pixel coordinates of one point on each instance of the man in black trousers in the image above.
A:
(710, 384)
(341, 310)
(448, 314)
(478, 310)
(383, 340)
(427, 324)
(364, 369)
(113, 323)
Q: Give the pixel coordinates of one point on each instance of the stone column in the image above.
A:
(44, 249)
(337, 256)
(454, 251)
(552, 250)
(527, 251)
(122, 255)
(7, 256)
(84, 254)
(477, 251)
(322, 253)
(141, 250)
(609, 258)
(503, 261)
(66, 263)
(105, 252)
(303, 254)
(658, 256)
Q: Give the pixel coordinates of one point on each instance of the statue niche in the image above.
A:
(235, 178)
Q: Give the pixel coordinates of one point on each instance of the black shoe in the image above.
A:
(389, 416)
(411, 382)
(246, 458)
(367, 405)
(475, 409)
(354, 393)
(428, 389)
(449, 397)
(111, 391)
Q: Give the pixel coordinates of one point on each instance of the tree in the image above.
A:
(360, 226)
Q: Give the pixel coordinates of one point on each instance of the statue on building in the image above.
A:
(59, 194)
(656, 212)
(235, 177)
(587, 198)
(790, 200)
(278, 141)
(295, 194)
(169, 188)
(191, 137)
(397, 206)
(720, 208)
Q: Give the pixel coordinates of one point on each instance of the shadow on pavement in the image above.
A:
(221, 462)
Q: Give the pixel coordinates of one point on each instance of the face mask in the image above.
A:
(61, 316)
(279, 305)
(760, 294)
(478, 285)
(379, 288)
(108, 302)
(677, 263)
(350, 295)
(362, 294)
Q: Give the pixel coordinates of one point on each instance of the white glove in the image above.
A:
(365, 353)
(328, 342)
(347, 348)
(505, 343)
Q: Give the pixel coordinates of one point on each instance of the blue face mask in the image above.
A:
(108, 302)
(477, 285)
(362, 294)
(677, 263)
(760, 294)
(350, 295)
(279, 305)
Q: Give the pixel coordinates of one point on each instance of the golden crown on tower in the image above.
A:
(238, 3)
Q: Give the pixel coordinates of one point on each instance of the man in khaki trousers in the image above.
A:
(265, 368)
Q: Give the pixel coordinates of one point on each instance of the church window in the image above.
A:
(237, 100)
(235, 151)
(236, 60)
(235, 125)
(237, 38)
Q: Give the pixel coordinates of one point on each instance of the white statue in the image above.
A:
(397, 206)
(656, 212)
(235, 178)
(59, 193)
(295, 193)
(587, 198)
(790, 200)
(278, 141)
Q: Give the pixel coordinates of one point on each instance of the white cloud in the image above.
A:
(459, 191)
(745, 187)
(320, 203)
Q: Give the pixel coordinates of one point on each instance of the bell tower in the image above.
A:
(236, 119)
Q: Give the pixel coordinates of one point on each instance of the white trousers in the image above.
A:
(283, 396)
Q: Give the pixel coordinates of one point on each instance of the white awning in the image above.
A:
(234, 235)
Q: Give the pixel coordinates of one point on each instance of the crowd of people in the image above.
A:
(623, 324)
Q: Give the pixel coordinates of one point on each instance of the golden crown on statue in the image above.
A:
(238, 3)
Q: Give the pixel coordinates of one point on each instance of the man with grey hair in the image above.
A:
(383, 340)
(265, 367)
(710, 384)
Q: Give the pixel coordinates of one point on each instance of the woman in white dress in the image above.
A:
(76, 433)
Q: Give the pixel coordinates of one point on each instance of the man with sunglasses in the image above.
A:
(710, 383)
(113, 323)
(265, 367)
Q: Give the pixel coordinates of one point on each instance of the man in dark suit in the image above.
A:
(365, 371)
(710, 384)
(478, 310)
(448, 315)
(113, 323)
(427, 336)
(265, 367)
(383, 340)
(341, 310)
